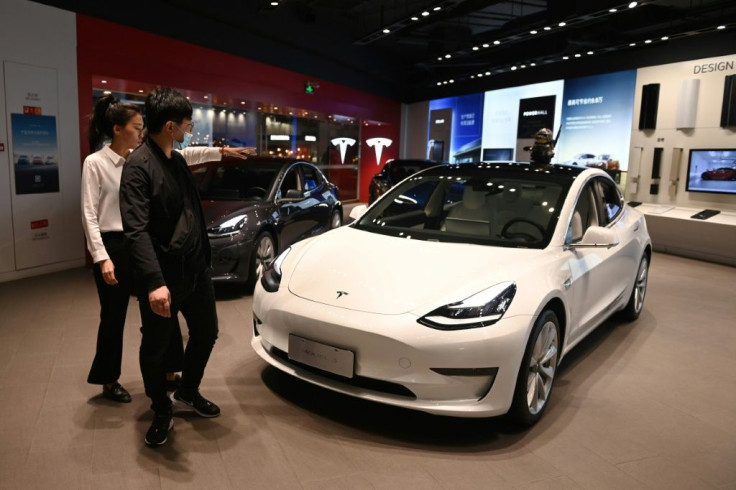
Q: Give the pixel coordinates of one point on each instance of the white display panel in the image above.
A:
(31, 95)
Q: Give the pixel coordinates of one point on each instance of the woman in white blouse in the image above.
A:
(122, 125)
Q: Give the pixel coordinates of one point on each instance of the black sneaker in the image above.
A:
(202, 406)
(160, 427)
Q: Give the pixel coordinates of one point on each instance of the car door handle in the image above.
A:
(567, 283)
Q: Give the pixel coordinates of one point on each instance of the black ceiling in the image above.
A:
(442, 53)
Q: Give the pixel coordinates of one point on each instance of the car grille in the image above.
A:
(357, 381)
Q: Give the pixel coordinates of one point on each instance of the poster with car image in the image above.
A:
(596, 121)
(35, 153)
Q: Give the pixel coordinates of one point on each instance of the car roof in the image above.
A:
(561, 173)
(251, 160)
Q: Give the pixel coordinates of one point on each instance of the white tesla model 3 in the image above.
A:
(459, 291)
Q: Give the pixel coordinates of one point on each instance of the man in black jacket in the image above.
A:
(165, 228)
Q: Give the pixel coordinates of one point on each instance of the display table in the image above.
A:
(674, 231)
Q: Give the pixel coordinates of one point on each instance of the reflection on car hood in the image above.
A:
(216, 211)
(388, 275)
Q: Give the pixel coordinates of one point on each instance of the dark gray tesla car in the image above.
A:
(255, 208)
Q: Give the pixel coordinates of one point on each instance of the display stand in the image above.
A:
(674, 230)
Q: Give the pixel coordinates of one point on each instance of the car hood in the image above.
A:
(375, 273)
(216, 211)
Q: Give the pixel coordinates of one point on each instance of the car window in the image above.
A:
(497, 210)
(610, 199)
(584, 215)
(312, 178)
(289, 182)
(249, 181)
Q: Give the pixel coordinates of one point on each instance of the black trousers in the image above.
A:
(113, 310)
(194, 297)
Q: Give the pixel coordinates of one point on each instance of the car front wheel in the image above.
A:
(264, 250)
(537, 371)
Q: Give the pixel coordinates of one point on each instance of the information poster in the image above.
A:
(35, 154)
(455, 128)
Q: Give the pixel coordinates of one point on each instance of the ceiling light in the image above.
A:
(480, 75)
(547, 28)
(439, 83)
(633, 4)
(242, 102)
(613, 10)
(496, 42)
(523, 66)
(485, 45)
(721, 27)
(415, 18)
(513, 68)
(488, 73)
(475, 48)
(436, 9)
(206, 97)
(590, 52)
(562, 24)
(386, 31)
(274, 4)
(448, 56)
(647, 41)
(532, 64)
(632, 44)
(533, 31)
(577, 55)
(140, 91)
(664, 38)
(425, 13)
(452, 80)
(103, 81)
(565, 57)
(439, 58)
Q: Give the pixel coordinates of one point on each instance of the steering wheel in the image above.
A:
(520, 234)
(256, 191)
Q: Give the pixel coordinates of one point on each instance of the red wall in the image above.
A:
(111, 50)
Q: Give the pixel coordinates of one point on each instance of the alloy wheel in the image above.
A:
(542, 366)
(265, 252)
(640, 288)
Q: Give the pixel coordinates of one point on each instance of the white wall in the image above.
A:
(706, 132)
(37, 35)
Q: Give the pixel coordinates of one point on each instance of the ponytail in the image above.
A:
(108, 112)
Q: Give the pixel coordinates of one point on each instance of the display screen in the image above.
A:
(712, 171)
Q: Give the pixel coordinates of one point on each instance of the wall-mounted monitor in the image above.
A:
(712, 171)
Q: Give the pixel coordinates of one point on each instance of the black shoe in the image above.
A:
(202, 406)
(116, 393)
(160, 427)
(173, 384)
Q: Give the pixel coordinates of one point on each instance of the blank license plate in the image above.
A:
(321, 356)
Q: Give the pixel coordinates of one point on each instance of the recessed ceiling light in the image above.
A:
(590, 52)
(436, 9)
(452, 80)
(565, 57)
(633, 4)
(103, 81)
(140, 91)
(532, 64)
(242, 102)
(647, 41)
(613, 10)
(562, 24)
(439, 83)
(386, 31)
(448, 56)
(496, 42)
(523, 66)
(480, 75)
(664, 38)
(415, 18)
(425, 13)
(632, 44)
(533, 31)
(577, 55)
(485, 45)
(721, 27)
(206, 97)
(274, 4)
(547, 28)
(475, 48)
(488, 73)
(439, 58)
(513, 68)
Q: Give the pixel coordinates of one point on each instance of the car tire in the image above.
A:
(264, 249)
(636, 301)
(336, 219)
(537, 371)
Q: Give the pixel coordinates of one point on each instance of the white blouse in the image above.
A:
(101, 174)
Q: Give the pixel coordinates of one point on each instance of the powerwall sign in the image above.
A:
(342, 144)
(378, 144)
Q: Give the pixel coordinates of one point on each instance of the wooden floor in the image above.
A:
(645, 405)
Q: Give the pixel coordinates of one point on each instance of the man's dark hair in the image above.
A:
(166, 104)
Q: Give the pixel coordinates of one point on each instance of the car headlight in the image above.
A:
(228, 227)
(480, 310)
(271, 277)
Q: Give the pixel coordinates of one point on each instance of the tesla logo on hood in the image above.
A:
(378, 144)
(340, 294)
(343, 144)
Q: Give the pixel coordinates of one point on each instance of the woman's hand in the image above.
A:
(108, 272)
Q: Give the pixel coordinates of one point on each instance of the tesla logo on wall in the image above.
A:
(343, 144)
(378, 144)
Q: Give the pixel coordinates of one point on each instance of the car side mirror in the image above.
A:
(597, 237)
(357, 212)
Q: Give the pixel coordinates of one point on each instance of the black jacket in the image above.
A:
(154, 190)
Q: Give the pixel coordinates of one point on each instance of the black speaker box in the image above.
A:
(728, 111)
(649, 105)
(657, 163)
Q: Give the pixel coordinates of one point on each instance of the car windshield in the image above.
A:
(499, 205)
(247, 181)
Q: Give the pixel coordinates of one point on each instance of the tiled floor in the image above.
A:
(644, 405)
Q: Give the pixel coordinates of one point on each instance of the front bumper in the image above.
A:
(465, 373)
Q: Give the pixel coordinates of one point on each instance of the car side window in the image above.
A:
(584, 215)
(609, 198)
(312, 178)
(289, 182)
